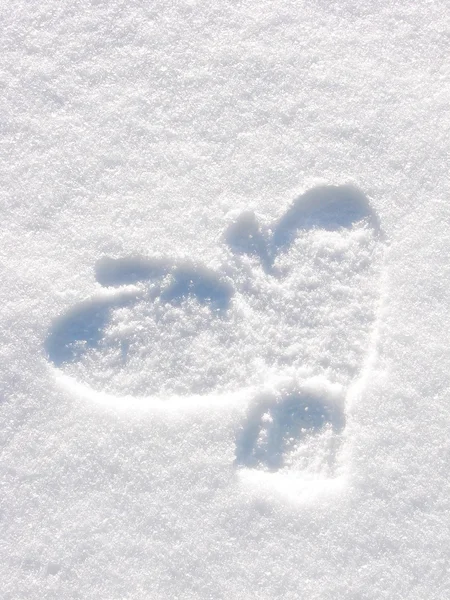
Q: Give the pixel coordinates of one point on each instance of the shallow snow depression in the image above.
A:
(284, 324)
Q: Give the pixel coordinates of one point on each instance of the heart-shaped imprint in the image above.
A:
(284, 323)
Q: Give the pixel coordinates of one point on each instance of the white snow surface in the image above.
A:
(224, 305)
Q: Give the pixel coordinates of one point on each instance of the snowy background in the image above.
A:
(224, 302)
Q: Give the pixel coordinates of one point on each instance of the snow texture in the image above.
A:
(225, 280)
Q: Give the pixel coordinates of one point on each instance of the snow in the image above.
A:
(225, 282)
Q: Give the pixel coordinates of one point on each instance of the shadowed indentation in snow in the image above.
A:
(330, 208)
(182, 279)
(326, 207)
(130, 270)
(244, 236)
(294, 430)
(275, 426)
(82, 327)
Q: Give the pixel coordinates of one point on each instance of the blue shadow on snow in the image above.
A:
(83, 326)
(275, 427)
(330, 207)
